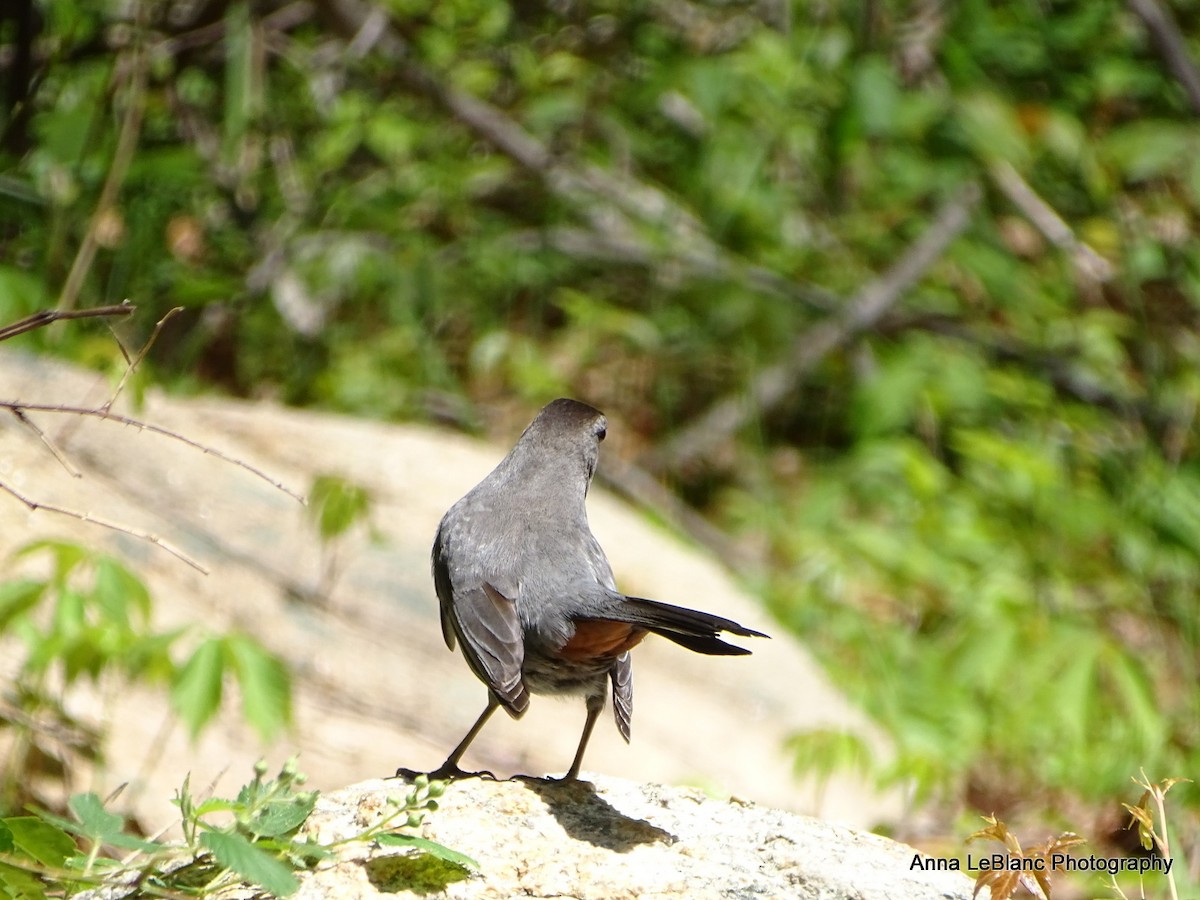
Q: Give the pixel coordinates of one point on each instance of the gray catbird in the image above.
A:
(526, 590)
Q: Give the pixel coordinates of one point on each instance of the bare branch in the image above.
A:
(1171, 46)
(54, 451)
(1090, 263)
(587, 244)
(44, 317)
(35, 505)
(283, 19)
(136, 361)
(767, 391)
(156, 429)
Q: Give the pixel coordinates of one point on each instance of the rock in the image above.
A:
(375, 687)
(612, 840)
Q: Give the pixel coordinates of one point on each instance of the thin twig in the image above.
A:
(127, 139)
(54, 451)
(1048, 222)
(44, 317)
(35, 505)
(634, 251)
(283, 19)
(772, 385)
(136, 361)
(1164, 843)
(1172, 46)
(156, 429)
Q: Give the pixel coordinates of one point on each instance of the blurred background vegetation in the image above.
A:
(898, 296)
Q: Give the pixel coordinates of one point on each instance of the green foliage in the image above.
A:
(261, 677)
(336, 505)
(254, 840)
(89, 618)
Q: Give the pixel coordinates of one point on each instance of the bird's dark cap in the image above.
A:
(568, 413)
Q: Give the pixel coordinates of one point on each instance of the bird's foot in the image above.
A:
(447, 771)
(569, 778)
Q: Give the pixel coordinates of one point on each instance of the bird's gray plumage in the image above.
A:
(518, 573)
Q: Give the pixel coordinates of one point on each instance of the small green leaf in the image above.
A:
(256, 866)
(310, 851)
(265, 683)
(196, 693)
(46, 843)
(18, 884)
(118, 590)
(95, 821)
(282, 817)
(337, 504)
(183, 799)
(70, 615)
(394, 839)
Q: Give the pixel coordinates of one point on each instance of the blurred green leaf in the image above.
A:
(1148, 149)
(265, 685)
(256, 866)
(18, 597)
(39, 840)
(337, 505)
(196, 693)
(992, 129)
(117, 591)
(19, 884)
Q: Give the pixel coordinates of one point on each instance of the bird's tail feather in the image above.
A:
(689, 628)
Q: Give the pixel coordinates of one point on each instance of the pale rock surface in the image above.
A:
(612, 840)
(375, 686)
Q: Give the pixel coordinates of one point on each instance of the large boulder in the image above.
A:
(614, 840)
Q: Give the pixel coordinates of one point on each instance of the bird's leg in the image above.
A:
(595, 705)
(449, 769)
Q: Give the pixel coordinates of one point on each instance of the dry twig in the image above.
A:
(20, 416)
(1171, 46)
(44, 317)
(132, 364)
(20, 411)
(107, 415)
(35, 505)
(1019, 192)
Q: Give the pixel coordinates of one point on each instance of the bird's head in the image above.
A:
(566, 437)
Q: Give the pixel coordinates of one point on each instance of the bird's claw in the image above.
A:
(569, 778)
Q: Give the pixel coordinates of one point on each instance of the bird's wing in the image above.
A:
(487, 624)
(441, 584)
(485, 621)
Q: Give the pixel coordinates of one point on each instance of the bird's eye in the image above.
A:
(601, 434)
